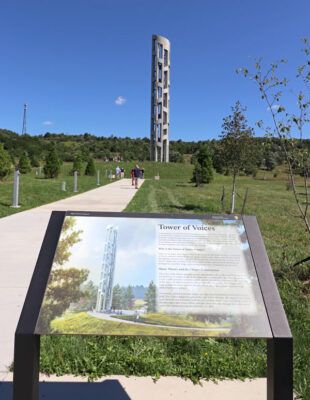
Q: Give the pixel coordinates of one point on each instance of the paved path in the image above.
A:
(140, 388)
(21, 236)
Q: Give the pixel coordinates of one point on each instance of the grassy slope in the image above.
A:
(87, 324)
(195, 358)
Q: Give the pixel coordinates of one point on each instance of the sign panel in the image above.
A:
(153, 276)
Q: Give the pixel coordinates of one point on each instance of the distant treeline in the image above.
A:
(116, 148)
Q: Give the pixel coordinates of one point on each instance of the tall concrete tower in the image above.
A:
(160, 99)
(105, 288)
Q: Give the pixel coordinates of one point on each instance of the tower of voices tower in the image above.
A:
(160, 99)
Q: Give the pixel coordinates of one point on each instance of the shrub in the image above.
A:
(5, 162)
(203, 171)
(52, 165)
(24, 165)
(90, 168)
(77, 165)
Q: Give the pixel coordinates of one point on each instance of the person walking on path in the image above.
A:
(118, 172)
(136, 173)
(132, 177)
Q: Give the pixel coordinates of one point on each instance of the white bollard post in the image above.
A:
(75, 182)
(63, 186)
(98, 177)
(16, 190)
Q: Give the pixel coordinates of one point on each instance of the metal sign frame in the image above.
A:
(27, 343)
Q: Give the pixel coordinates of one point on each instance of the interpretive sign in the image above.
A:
(153, 274)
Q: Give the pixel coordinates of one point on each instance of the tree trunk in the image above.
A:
(233, 195)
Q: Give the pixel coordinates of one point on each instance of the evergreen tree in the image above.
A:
(24, 165)
(176, 157)
(150, 297)
(35, 161)
(90, 168)
(77, 164)
(52, 165)
(270, 161)
(203, 171)
(117, 298)
(89, 299)
(129, 298)
(5, 162)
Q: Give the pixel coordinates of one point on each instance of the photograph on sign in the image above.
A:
(153, 276)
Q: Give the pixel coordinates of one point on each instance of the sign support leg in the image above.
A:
(26, 367)
(280, 369)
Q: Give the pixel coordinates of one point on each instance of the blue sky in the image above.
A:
(71, 60)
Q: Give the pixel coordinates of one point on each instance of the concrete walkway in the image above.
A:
(21, 236)
(117, 387)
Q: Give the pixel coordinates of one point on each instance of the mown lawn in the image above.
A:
(286, 242)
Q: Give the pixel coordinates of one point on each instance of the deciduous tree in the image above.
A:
(64, 283)
(77, 165)
(237, 145)
(288, 126)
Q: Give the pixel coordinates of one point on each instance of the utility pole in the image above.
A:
(24, 131)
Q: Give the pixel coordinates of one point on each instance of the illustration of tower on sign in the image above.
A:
(105, 289)
(160, 99)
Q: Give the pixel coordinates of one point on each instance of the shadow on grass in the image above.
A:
(5, 204)
(190, 207)
(109, 389)
(185, 184)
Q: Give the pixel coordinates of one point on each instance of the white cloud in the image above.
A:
(275, 107)
(120, 100)
(47, 123)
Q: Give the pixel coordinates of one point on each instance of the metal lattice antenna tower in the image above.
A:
(25, 120)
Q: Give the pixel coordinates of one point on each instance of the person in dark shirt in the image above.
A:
(132, 177)
(136, 174)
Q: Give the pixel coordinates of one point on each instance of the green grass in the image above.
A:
(142, 356)
(86, 324)
(286, 241)
(267, 199)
